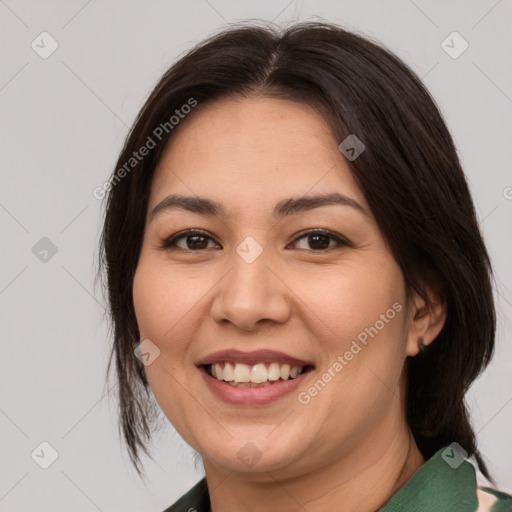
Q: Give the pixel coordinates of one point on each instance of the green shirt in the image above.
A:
(439, 485)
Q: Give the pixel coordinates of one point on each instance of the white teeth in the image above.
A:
(242, 373)
(217, 371)
(229, 372)
(259, 374)
(294, 371)
(274, 372)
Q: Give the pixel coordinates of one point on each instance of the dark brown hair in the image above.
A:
(409, 173)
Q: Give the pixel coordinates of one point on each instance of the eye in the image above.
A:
(194, 240)
(319, 238)
(197, 240)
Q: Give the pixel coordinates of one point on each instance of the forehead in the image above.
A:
(257, 148)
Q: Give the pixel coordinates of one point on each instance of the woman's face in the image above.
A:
(255, 285)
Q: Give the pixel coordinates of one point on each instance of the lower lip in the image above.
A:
(261, 395)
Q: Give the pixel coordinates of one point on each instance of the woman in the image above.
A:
(295, 271)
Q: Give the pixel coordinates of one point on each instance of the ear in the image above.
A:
(425, 320)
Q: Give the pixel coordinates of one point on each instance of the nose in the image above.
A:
(251, 293)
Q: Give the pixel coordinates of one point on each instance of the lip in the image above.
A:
(252, 358)
(248, 396)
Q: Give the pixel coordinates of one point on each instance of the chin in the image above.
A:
(257, 457)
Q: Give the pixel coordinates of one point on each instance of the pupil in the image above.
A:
(325, 237)
(194, 244)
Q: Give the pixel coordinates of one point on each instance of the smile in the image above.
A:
(258, 375)
(252, 378)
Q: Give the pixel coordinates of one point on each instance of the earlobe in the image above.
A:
(426, 322)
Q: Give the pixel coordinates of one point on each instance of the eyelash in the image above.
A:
(169, 244)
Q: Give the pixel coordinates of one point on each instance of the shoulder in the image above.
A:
(448, 481)
(493, 501)
(196, 499)
(489, 499)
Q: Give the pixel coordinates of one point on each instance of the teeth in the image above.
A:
(294, 371)
(285, 371)
(242, 373)
(274, 372)
(248, 384)
(261, 374)
(229, 373)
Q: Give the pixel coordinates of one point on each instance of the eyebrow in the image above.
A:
(284, 208)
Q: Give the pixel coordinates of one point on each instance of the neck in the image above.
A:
(362, 481)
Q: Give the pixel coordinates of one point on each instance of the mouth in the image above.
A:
(252, 378)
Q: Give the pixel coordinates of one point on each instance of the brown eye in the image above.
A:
(319, 240)
(194, 241)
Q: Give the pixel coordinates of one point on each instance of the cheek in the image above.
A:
(158, 311)
(362, 309)
(162, 317)
(161, 301)
(352, 299)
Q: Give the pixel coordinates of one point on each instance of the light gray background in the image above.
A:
(63, 122)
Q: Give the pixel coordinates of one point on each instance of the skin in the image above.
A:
(350, 447)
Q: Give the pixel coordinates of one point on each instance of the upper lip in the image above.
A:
(252, 358)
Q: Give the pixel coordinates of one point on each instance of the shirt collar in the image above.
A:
(445, 482)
